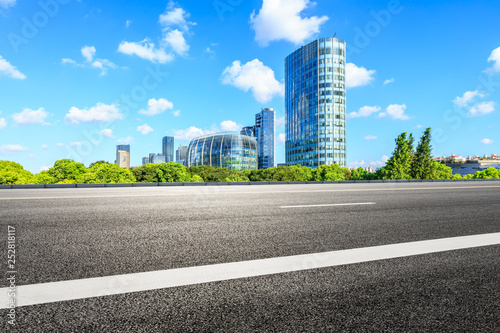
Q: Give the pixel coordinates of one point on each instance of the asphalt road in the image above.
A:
(68, 234)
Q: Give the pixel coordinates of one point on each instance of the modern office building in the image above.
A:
(158, 159)
(168, 149)
(264, 132)
(315, 102)
(121, 148)
(124, 159)
(180, 154)
(145, 160)
(248, 130)
(228, 150)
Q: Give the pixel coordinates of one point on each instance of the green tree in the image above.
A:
(330, 173)
(441, 171)
(67, 171)
(107, 173)
(197, 179)
(97, 162)
(14, 173)
(399, 165)
(43, 178)
(490, 173)
(172, 172)
(421, 166)
(146, 173)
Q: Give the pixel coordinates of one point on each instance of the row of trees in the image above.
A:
(405, 163)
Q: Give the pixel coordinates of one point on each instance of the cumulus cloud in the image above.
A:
(486, 141)
(229, 126)
(126, 141)
(7, 149)
(175, 16)
(375, 164)
(467, 98)
(190, 133)
(370, 137)
(145, 50)
(283, 20)
(157, 106)
(44, 146)
(281, 139)
(256, 77)
(389, 81)
(60, 145)
(7, 3)
(357, 76)
(144, 129)
(395, 111)
(495, 58)
(365, 111)
(3, 123)
(107, 133)
(176, 113)
(99, 113)
(279, 121)
(482, 109)
(44, 168)
(28, 117)
(75, 144)
(128, 23)
(7, 69)
(177, 42)
(68, 61)
(88, 53)
(379, 163)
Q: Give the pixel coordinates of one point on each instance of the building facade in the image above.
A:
(145, 160)
(248, 131)
(264, 132)
(315, 103)
(227, 150)
(121, 148)
(124, 159)
(180, 154)
(168, 149)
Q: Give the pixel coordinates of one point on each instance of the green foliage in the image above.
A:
(210, 174)
(146, 173)
(399, 165)
(197, 179)
(97, 162)
(490, 173)
(362, 174)
(172, 172)
(440, 171)
(67, 171)
(14, 173)
(107, 173)
(331, 173)
(237, 177)
(43, 178)
(421, 164)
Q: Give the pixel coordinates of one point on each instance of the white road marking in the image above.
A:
(128, 283)
(191, 193)
(331, 205)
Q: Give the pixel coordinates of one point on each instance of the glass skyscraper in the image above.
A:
(168, 149)
(315, 102)
(264, 132)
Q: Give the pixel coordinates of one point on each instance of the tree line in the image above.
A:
(406, 162)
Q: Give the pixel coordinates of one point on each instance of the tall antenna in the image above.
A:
(335, 34)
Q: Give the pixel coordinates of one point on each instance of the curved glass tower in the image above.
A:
(315, 102)
(225, 150)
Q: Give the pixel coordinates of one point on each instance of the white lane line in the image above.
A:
(331, 205)
(207, 192)
(128, 283)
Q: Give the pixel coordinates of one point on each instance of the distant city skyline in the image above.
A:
(94, 74)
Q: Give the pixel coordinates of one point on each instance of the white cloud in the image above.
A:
(482, 108)
(279, 121)
(176, 113)
(175, 39)
(28, 117)
(99, 113)
(126, 141)
(389, 81)
(494, 57)
(357, 164)
(375, 164)
(157, 106)
(418, 126)
(283, 20)
(486, 141)
(145, 50)
(190, 133)
(44, 168)
(370, 137)
(60, 145)
(175, 16)
(357, 76)
(144, 129)
(68, 61)
(229, 126)
(9, 70)
(75, 144)
(395, 111)
(3, 123)
(256, 77)
(281, 139)
(7, 3)
(365, 111)
(107, 133)
(88, 53)
(128, 23)
(467, 98)
(44, 147)
(7, 149)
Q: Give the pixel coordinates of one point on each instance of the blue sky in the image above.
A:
(79, 77)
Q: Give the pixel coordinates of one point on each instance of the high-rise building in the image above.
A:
(248, 130)
(181, 153)
(121, 148)
(157, 158)
(145, 160)
(264, 132)
(124, 159)
(315, 102)
(168, 148)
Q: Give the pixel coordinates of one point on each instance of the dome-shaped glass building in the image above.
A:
(226, 150)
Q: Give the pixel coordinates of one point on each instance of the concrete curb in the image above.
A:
(36, 186)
